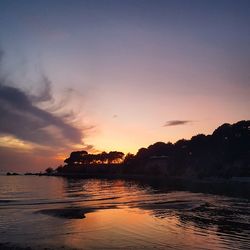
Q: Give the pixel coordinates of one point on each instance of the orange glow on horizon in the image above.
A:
(61, 156)
(13, 142)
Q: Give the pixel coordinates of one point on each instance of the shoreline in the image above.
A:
(20, 246)
(138, 177)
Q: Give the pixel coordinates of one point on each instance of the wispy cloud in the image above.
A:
(25, 117)
(22, 119)
(34, 127)
(176, 123)
(45, 94)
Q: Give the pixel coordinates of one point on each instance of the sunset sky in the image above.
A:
(117, 75)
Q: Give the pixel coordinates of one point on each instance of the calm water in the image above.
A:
(55, 212)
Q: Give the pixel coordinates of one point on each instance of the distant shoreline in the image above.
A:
(137, 177)
(15, 246)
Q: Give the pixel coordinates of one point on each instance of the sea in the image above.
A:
(46, 212)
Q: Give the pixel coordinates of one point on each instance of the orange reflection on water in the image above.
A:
(127, 228)
(119, 215)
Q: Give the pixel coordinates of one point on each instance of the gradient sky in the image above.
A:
(117, 75)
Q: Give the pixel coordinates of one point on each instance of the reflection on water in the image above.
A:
(117, 214)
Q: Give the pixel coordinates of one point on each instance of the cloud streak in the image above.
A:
(176, 123)
(34, 127)
(20, 117)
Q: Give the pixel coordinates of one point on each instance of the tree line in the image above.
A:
(224, 153)
(84, 158)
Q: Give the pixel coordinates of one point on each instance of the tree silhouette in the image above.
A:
(49, 170)
(225, 153)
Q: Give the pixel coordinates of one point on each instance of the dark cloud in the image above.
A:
(20, 117)
(39, 120)
(176, 123)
